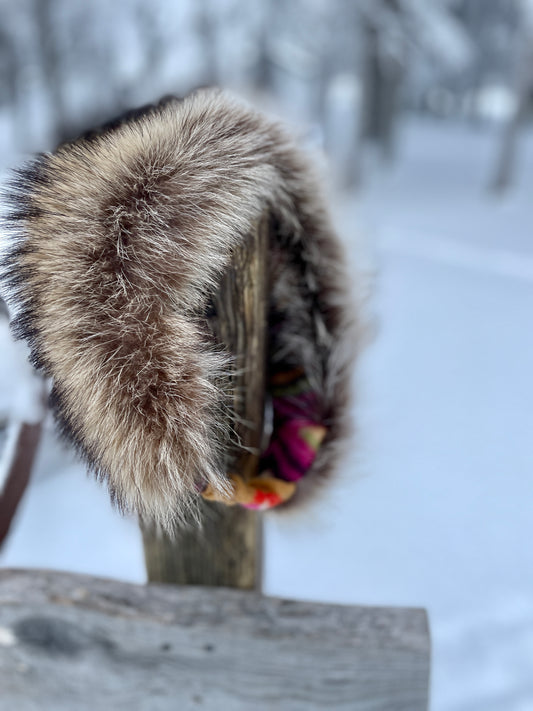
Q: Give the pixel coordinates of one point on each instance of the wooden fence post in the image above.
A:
(227, 550)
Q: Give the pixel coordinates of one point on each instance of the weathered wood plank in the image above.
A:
(226, 551)
(70, 641)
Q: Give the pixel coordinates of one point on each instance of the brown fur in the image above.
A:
(120, 237)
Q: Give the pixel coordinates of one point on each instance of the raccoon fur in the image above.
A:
(119, 238)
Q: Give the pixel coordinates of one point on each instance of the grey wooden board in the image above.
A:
(76, 642)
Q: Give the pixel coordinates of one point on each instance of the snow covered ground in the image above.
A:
(434, 506)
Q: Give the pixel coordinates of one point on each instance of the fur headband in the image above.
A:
(119, 240)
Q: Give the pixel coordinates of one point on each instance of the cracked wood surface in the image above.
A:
(76, 642)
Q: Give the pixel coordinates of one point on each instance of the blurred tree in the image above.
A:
(383, 69)
(347, 68)
(8, 69)
(51, 61)
(263, 58)
(206, 27)
(523, 93)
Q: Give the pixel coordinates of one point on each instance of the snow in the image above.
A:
(65, 522)
(20, 390)
(433, 506)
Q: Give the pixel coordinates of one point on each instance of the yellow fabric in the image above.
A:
(258, 493)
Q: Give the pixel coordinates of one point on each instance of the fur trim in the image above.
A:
(120, 238)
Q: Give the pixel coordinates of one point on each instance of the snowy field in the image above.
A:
(434, 507)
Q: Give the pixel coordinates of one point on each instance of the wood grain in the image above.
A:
(227, 550)
(69, 641)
